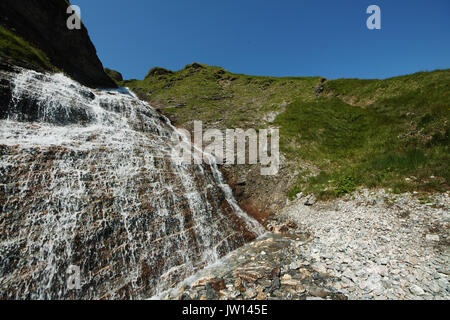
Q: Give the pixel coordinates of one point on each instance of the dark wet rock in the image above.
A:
(260, 259)
(218, 285)
(239, 285)
(265, 283)
(210, 292)
(5, 96)
(318, 292)
(310, 200)
(276, 272)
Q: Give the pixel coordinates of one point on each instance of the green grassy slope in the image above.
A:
(395, 134)
(18, 51)
(391, 133)
(218, 97)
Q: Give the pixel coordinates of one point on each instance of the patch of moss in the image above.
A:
(157, 72)
(19, 51)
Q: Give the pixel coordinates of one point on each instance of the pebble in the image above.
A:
(368, 242)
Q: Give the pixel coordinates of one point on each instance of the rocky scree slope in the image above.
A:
(370, 245)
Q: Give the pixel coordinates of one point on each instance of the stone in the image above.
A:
(286, 277)
(291, 282)
(210, 293)
(276, 284)
(318, 292)
(294, 266)
(218, 285)
(276, 272)
(314, 298)
(310, 200)
(239, 285)
(203, 281)
(320, 268)
(250, 294)
(249, 276)
(434, 287)
(349, 274)
(129, 234)
(432, 237)
(416, 290)
(261, 296)
(300, 288)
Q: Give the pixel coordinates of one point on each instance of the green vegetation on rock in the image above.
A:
(217, 97)
(113, 74)
(18, 51)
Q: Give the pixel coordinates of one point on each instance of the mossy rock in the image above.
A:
(113, 74)
(157, 71)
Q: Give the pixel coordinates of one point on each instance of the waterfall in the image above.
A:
(87, 180)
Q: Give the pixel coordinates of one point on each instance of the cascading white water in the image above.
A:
(87, 179)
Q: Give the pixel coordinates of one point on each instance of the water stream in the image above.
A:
(87, 179)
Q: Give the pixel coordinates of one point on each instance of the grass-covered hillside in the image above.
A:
(390, 133)
(16, 50)
(218, 97)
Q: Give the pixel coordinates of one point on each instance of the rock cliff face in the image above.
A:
(113, 74)
(87, 179)
(43, 25)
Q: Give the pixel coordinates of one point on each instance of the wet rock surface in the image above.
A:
(87, 179)
(271, 267)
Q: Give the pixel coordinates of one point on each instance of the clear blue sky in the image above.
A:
(279, 38)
